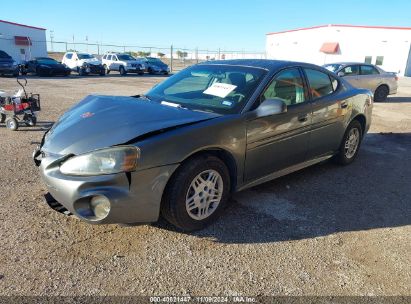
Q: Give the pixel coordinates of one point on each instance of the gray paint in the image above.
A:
(261, 147)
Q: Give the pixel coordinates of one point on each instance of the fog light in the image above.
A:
(100, 205)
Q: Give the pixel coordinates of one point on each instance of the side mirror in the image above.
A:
(341, 74)
(271, 107)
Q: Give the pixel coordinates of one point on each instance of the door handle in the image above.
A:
(344, 105)
(303, 118)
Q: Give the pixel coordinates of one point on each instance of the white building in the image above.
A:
(22, 42)
(387, 47)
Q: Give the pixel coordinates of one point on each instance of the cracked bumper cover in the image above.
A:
(134, 199)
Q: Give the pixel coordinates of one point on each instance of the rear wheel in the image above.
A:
(30, 121)
(197, 193)
(381, 93)
(350, 144)
(12, 124)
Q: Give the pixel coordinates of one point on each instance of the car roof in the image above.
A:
(266, 64)
(349, 63)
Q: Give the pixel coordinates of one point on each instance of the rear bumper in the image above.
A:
(134, 198)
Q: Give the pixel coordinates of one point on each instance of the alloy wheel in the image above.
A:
(351, 143)
(204, 194)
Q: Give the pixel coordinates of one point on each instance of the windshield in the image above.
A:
(85, 56)
(333, 67)
(4, 55)
(220, 89)
(125, 57)
(46, 61)
(155, 60)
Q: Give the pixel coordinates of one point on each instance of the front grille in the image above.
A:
(55, 205)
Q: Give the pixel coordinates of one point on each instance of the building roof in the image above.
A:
(342, 25)
(23, 25)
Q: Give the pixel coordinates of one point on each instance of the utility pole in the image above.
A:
(171, 58)
(51, 40)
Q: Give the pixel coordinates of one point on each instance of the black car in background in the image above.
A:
(45, 66)
(155, 66)
(7, 65)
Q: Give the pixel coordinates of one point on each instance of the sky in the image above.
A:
(212, 24)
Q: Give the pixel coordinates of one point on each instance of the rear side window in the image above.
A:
(351, 70)
(320, 83)
(368, 70)
(109, 57)
(69, 56)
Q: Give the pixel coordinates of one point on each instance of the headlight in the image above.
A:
(100, 162)
(85, 64)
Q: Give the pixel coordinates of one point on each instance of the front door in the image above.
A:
(280, 141)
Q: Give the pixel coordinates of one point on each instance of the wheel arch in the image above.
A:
(362, 120)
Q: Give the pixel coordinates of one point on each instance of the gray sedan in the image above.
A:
(213, 129)
(368, 76)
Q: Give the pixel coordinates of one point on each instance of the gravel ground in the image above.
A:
(326, 230)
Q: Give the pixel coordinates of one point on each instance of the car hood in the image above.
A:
(103, 121)
(90, 61)
(6, 60)
(54, 65)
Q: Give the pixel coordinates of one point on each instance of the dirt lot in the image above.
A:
(326, 230)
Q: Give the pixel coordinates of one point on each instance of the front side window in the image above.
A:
(368, 70)
(221, 89)
(320, 83)
(351, 70)
(69, 56)
(287, 86)
(126, 57)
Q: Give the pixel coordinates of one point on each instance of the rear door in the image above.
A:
(280, 141)
(370, 78)
(328, 113)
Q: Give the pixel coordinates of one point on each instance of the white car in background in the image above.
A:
(123, 63)
(83, 63)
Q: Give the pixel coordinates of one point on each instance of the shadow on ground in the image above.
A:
(373, 192)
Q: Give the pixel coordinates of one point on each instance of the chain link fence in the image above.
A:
(177, 58)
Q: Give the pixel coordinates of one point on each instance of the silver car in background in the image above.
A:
(367, 76)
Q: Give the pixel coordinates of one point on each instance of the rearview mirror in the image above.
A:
(271, 107)
(341, 74)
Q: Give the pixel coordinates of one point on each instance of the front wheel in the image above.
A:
(30, 121)
(12, 124)
(350, 144)
(123, 71)
(197, 193)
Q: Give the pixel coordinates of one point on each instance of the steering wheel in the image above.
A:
(238, 97)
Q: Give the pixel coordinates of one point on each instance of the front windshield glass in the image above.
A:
(46, 61)
(155, 60)
(333, 67)
(125, 57)
(85, 56)
(221, 89)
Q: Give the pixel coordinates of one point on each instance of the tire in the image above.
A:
(141, 73)
(176, 202)
(122, 71)
(102, 72)
(81, 71)
(12, 124)
(381, 93)
(2, 117)
(67, 73)
(350, 144)
(150, 71)
(106, 69)
(31, 121)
